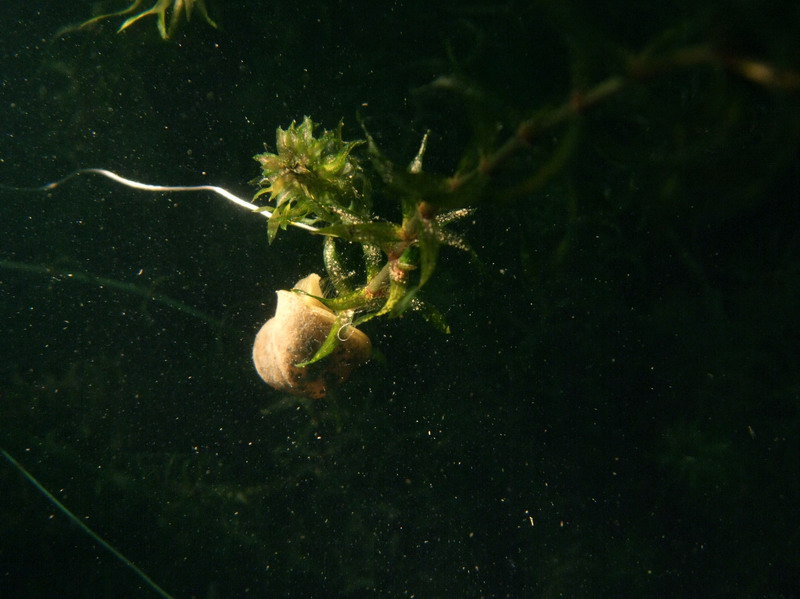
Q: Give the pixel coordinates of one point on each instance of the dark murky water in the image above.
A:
(615, 413)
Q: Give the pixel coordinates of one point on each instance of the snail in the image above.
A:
(298, 329)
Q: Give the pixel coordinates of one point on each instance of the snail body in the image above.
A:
(293, 336)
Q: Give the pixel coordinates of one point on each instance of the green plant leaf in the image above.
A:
(431, 314)
(428, 252)
(316, 175)
(376, 233)
(403, 303)
(329, 345)
(397, 291)
(355, 300)
(337, 273)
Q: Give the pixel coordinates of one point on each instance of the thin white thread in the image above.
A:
(148, 187)
(341, 328)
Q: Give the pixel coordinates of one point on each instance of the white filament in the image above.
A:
(148, 187)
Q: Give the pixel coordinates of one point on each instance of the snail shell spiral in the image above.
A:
(298, 329)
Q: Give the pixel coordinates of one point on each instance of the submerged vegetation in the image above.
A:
(168, 15)
(615, 409)
(318, 181)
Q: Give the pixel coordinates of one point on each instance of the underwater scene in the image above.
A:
(329, 299)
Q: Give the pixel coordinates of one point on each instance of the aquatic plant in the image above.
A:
(149, 294)
(376, 265)
(578, 360)
(149, 582)
(317, 181)
(175, 8)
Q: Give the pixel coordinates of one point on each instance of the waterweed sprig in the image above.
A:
(316, 183)
(312, 179)
(176, 8)
(84, 527)
(316, 180)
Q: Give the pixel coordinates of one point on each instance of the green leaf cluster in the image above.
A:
(312, 179)
(176, 8)
(315, 179)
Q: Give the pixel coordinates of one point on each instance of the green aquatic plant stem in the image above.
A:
(378, 282)
(147, 293)
(529, 130)
(97, 538)
(757, 71)
(639, 69)
(313, 176)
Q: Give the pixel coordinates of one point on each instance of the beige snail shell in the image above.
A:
(298, 329)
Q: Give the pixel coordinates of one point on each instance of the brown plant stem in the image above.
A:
(639, 69)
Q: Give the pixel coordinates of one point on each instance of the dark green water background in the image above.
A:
(615, 413)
